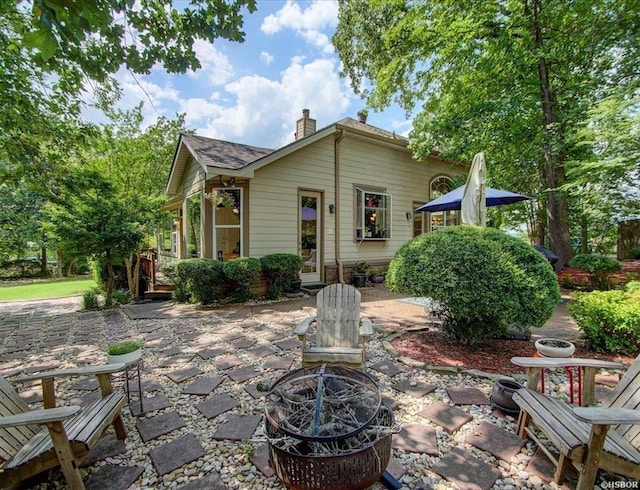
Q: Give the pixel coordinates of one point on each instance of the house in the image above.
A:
(336, 196)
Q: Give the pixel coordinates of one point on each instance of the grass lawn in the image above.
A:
(46, 289)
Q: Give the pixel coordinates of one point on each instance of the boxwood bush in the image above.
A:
(280, 270)
(195, 279)
(482, 280)
(244, 271)
(178, 273)
(598, 268)
(609, 320)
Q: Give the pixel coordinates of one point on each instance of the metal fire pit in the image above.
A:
(327, 429)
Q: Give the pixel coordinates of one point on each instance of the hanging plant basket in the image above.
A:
(554, 348)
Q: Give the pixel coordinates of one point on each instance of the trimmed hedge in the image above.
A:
(482, 279)
(609, 320)
(244, 271)
(280, 270)
(196, 279)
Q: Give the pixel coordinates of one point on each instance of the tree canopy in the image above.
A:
(515, 79)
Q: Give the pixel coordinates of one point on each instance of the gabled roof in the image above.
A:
(217, 156)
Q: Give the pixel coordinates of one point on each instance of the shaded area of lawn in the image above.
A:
(46, 289)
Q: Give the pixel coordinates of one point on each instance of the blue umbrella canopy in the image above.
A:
(453, 200)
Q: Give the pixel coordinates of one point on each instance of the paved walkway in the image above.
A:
(200, 424)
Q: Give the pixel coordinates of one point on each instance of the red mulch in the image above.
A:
(493, 356)
(581, 279)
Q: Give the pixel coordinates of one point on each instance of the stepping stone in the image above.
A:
(274, 335)
(159, 425)
(260, 459)
(395, 468)
(237, 427)
(211, 481)
(230, 336)
(150, 404)
(499, 442)
(174, 361)
(243, 343)
(387, 367)
(242, 374)
(107, 447)
(183, 374)
(159, 343)
(173, 455)
(202, 386)
(114, 477)
(541, 466)
(466, 471)
(467, 396)
(88, 384)
(277, 363)
(416, 438)
(216, 405)
(148, 386)
(259, 352)
(171, 351)
(446, 416)
(211, 353)
(415, 388)
(228, 362)
(288, 344)
(252, 389)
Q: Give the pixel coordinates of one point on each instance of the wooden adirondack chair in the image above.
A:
(589, 438)
(340, 334)
(26, 448)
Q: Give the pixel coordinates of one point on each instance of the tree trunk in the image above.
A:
(136, 276)
(60, 264)
(44, 272)
(557, 205)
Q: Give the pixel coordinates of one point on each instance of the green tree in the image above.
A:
(90, 219)
(511, 78)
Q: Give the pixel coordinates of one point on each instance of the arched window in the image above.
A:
(440, 186)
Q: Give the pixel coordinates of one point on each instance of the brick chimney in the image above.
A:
(305, 125)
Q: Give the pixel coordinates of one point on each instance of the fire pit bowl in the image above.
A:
(327, 429)
(344, 469)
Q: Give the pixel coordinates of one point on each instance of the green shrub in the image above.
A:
(121, 296)
(178, 274)
(632, 287)
(609, 320)
(280, 270)
(205, 276)
(90, 300)
(598, 267)
(634, 252)
(244, 271)
(482, 279)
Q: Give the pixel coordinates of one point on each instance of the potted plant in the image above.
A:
(359, 274)
(126, 351)
(554, 348)
(376, 275)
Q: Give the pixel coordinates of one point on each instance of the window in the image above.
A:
(167, 233)
(193, 239)
(417, 220)
(440, 186)
(373, 215)
(227, 223)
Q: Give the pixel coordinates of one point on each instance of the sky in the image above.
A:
(253, 92)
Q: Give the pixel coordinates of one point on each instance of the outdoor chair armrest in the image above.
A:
(560, 362)
(303, 326)
(77, 371)
(43, 416)
(366, 328)
(607, 416)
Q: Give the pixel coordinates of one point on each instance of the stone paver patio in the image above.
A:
(202, 425)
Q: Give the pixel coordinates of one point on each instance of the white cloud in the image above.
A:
(308, 23)
(265, 111)
(266, 57)
(215, 65)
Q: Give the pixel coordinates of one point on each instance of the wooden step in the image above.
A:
(158, 294)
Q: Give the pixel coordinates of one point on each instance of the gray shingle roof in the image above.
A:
(224, 154)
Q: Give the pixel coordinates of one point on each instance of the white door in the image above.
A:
(310, 240)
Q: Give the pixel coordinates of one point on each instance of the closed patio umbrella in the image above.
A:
(474, 205)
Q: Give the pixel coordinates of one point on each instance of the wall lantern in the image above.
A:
(408, 215)
(332, 208)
